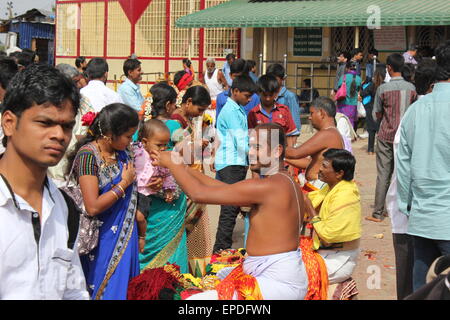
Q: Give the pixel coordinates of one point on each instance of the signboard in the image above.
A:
(390, 38)
(308, 42)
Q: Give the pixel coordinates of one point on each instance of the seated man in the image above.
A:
(309, 154)
(335, 213)
(274, 267)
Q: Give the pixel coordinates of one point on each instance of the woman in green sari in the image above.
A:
(165, 240)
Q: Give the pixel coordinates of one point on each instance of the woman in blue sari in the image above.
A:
(103, 168)
(166, 233)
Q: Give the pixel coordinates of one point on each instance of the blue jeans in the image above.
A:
(425, 252)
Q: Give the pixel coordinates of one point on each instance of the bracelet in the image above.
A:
(143, 238)
(120, 187)
(118, 192)
(114, 193)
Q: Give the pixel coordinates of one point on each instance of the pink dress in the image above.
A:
(145, 171)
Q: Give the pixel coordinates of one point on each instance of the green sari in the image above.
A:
(166, 233)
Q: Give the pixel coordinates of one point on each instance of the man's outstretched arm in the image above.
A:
(201, 189)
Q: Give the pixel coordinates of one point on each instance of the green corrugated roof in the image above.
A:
(318, 13)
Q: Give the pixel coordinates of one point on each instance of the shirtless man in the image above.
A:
(277, 209)
(309, 154)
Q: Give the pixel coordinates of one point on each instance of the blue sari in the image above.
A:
(114, 262)
(166, 240)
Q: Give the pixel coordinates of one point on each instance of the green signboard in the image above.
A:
(308, 42)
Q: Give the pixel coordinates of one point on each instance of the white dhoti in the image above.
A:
(280, 277)
(340, 264)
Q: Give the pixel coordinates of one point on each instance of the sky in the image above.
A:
(22, 6)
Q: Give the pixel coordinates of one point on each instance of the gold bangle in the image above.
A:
(117, 196)
(121, 189)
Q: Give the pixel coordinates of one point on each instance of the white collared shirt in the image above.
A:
(31, 271)
(100, 95)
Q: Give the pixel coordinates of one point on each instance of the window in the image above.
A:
(66, 29)
(151, 30)
(92, 28)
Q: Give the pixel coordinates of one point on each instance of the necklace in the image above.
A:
(329, 127)
(106, 159)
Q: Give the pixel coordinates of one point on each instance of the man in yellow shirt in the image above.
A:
(335, 213)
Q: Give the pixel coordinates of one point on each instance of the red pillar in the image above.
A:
(167, 51)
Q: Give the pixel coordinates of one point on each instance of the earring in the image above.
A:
(101, 133)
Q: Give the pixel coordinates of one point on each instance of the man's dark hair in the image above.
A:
(277, 70)
(425, 75)
(268, 83)
(341, 160)
(307, 82)
(355, 51)
(2, 53)
(373, 51)
(272, 126)
(325, 104)
(24, 59)
(244, 84)
(408, 71)
(251, 64)
(97, 68)
(8, 69)
(230, 56)
(443, 61)
(239, 66)
(79, 61)
(39, 84)
(346, 54)
(396, 61)
(130, 65)
(413, 47)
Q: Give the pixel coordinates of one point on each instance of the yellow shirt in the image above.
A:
(339, 218)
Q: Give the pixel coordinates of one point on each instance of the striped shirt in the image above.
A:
(392, 100)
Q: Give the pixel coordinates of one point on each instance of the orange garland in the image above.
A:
(316, 270)
(246, 286)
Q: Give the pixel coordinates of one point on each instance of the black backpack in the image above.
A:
(73, 219)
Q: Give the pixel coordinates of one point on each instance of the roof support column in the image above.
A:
(356, 37)
(265, 49)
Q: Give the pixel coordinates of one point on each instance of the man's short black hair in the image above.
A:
(307, 82)
(277, 70)
(268, 83)
(251, 64)
(244, 84)
(341, 160)
(8, 69)
(130, 65)
(443, 61)
(408, 71)
(346, 54)
(325, 104)
(230, 56)
(39, 84)
(373, 51)
(355, 51)
(396, 61)
(79, 61)
(97, 68)
(239, 66)
(425, 75)
(24, 59)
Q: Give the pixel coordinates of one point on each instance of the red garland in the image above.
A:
(148, 284)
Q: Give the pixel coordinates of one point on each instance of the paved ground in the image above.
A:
(375, 272)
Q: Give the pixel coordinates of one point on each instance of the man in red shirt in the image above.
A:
(269, 110)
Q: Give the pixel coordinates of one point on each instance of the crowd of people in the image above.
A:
(98, 187)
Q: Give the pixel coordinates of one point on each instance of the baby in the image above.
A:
(153, 135)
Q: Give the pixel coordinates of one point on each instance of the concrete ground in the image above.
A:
(375, 272)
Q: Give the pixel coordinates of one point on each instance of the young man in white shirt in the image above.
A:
(37, 256)
(96, 91)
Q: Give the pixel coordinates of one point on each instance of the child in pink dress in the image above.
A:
(153, 135)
